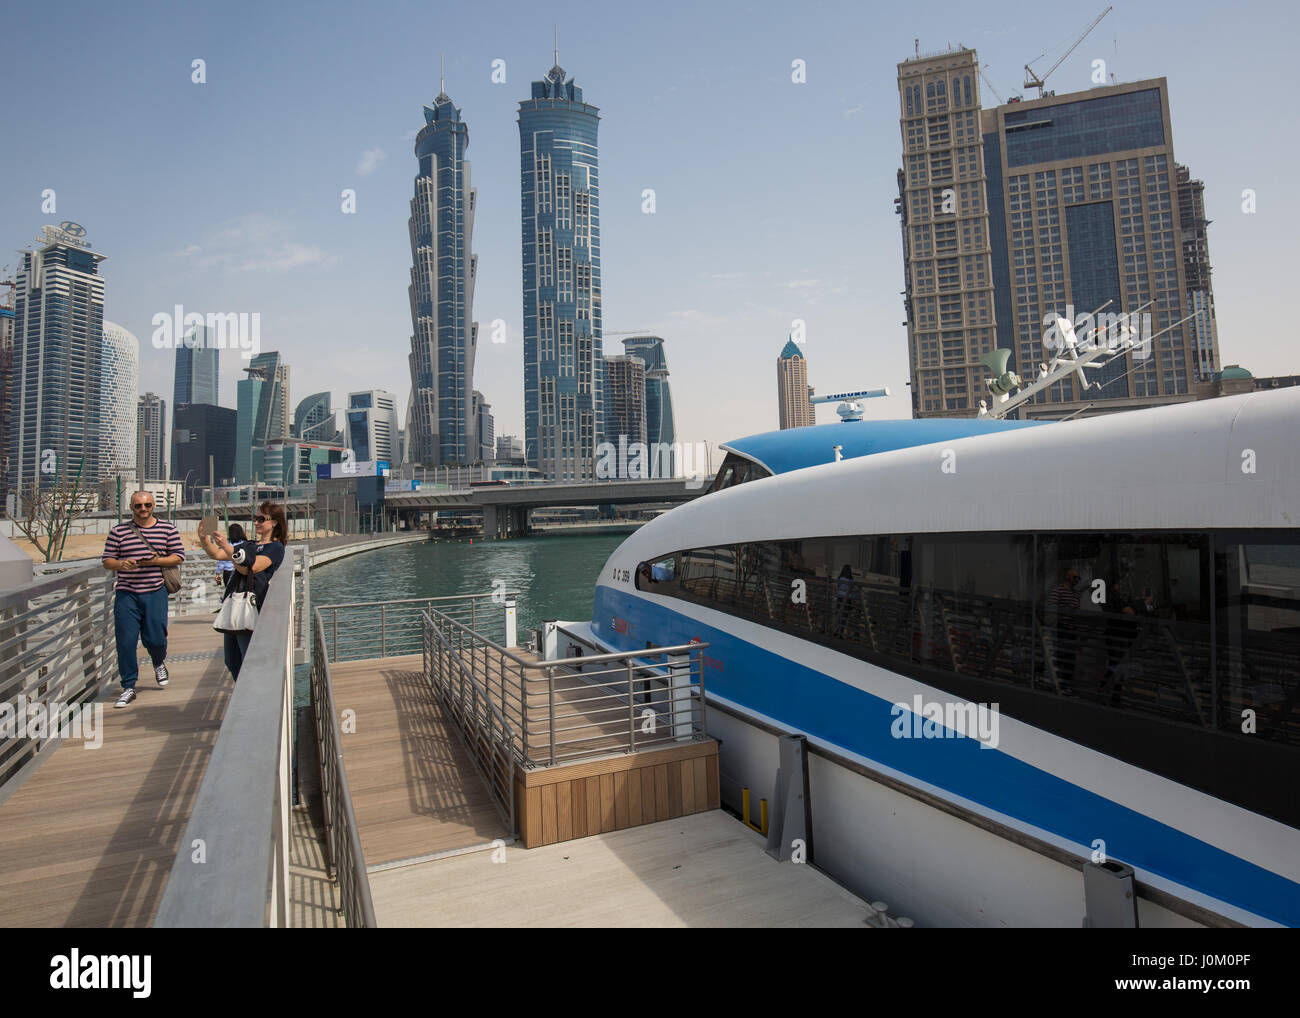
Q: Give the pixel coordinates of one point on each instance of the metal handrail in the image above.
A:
(545, 734)
(496, 770)
(228, 872)
(345, 861)
(57, 652)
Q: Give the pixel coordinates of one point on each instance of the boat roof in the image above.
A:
(796, 448)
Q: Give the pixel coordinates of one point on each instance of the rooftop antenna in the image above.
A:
(556, 27)
(442, 85)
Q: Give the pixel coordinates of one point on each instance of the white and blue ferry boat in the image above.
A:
(1119, 595)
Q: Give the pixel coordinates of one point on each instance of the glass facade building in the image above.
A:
(200, 430)
(659, 422)
(119, 387)
(443, 266)
(1060, 206)
(263, 417)
(314, 421)
(197, 375)
(372, 430)
(564, 413)
(57, 356)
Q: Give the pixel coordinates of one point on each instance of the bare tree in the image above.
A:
(46, 514)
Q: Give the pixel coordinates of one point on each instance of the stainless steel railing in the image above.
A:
(232, 868)
(488, 733)
(57, 652)
(345, 861)
(571, 708)
(369, 629)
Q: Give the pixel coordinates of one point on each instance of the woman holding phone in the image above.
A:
(260, 557)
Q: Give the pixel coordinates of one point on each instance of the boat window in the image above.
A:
(736, 470)
(657, 575)
(1144, 645)
(1117, 620)
(1257, 605)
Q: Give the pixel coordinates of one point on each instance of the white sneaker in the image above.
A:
(127, 696)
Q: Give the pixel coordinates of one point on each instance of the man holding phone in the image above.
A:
(137, 552)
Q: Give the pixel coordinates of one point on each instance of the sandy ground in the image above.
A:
(80, 546)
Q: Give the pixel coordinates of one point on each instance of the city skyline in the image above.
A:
(708, 270)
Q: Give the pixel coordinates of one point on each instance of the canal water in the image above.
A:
(555, 575)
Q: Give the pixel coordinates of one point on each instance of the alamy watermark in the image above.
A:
(22, 719)
(1108, 329)
(923, 719)
(639, 461)
(233, 330)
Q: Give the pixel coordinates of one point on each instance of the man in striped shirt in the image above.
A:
(137, 552)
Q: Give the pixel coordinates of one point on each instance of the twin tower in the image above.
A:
(564, 380)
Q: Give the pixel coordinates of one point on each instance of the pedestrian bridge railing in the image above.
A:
(232, 868)
(57, 652)
(345, 861)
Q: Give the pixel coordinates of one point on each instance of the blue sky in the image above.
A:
(774, 200)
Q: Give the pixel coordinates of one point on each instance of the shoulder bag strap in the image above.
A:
(146, 540)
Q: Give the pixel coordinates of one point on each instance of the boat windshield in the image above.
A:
(736, 470)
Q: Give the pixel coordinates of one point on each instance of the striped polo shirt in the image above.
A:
(124, 542)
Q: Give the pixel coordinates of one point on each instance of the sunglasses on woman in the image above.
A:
(259, 518)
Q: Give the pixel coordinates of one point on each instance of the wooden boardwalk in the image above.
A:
(702, 870)
(414, 790)
(90, 838)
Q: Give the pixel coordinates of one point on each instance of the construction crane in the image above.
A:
(1001, 101)
(1032, 80)
(633, 332)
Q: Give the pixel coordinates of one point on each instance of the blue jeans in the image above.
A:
(139, 618)
(236, 648)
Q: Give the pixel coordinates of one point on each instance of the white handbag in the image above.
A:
(238, 613)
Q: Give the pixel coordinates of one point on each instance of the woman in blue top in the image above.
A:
(261, 560)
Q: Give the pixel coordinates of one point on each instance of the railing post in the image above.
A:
(383, 630)
(631, 711)
(550, 708)
(511, 622)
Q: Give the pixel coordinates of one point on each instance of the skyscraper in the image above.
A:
(484, 428)
(263, 414)
(197, 370)
(314, 421)
(151, 438)
(195, 383)
(625, 416)
(372, 425)
(443, 266)
(119, 391)
(1060, 206)
(660, 426)
(200, 431)
(792, 392)
(58, 349)
(7, 318)
(1196, 267)
(563, 358)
